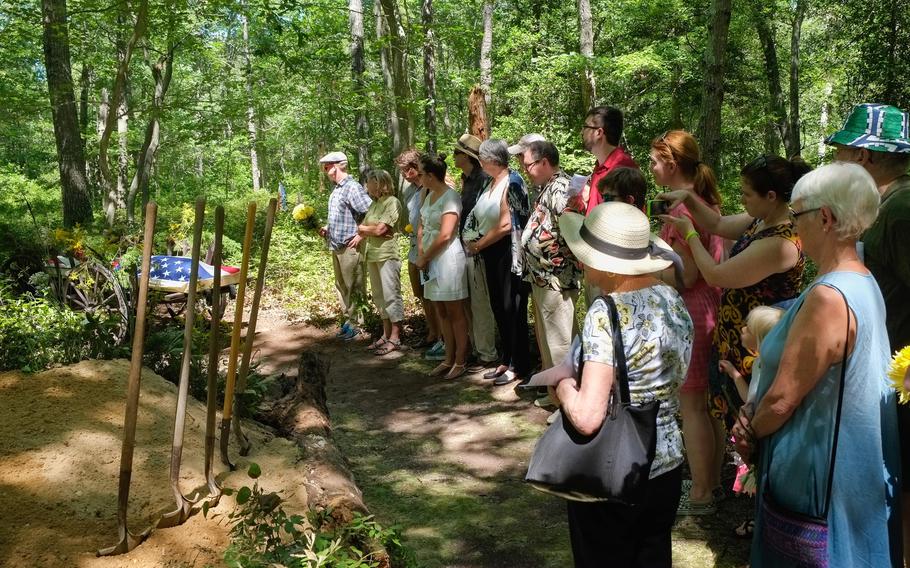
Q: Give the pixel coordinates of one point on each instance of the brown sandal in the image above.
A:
(439, 370)
(387, 347)
(455, 372)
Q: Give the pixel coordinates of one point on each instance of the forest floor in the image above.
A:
(444, 460)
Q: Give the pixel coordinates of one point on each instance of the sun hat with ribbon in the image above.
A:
(881, 128)
(616, 237)
(469, 144)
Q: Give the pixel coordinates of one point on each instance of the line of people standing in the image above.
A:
(476, 258)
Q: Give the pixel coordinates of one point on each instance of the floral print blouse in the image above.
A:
(657, 336)
(548, 261)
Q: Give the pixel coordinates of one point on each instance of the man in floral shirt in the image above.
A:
(550, 266)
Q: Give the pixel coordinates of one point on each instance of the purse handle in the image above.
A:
(840, 401)
(619, 355)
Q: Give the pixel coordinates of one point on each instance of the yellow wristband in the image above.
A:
(690, 234)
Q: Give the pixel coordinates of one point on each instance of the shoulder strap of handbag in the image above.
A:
(621, 377)
(837, 415)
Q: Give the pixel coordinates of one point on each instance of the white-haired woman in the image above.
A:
(796, 416)
(383, 262)
(492, 220)
(623, 259)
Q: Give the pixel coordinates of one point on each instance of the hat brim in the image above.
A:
(465, 150)
(516, 149)
(570, 226)
(868, 141)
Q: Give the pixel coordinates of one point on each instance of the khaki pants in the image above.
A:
(554, 322)
(385, 285)
(482, 326)
(348, 265)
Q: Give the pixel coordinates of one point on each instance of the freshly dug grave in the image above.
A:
(60, 442)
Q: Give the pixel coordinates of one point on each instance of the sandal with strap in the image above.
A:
(377, 344)
(745, 529)
(689, 508)
(455, 372)
(439, 370)
(387, 347)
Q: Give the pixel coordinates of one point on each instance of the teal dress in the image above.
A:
(864, 515)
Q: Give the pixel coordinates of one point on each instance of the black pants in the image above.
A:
(509, 301)
(610, 535)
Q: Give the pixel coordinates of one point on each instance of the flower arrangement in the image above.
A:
(898, 373)
(302, 212)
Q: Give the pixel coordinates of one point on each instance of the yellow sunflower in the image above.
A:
(898, 371)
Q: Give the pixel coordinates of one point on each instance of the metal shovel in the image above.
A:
(214, 348)
(242, 440)
(235, 338)
(127, 540)
(184, 505)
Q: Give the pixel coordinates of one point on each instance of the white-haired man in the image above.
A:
(347, 205)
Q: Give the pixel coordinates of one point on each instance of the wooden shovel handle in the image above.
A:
(238, 313)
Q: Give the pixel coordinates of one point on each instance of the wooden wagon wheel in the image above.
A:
(93, 290)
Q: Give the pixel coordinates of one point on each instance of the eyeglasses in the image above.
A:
(529, 164)
(794, 215)
(592, 127)
(607, 197)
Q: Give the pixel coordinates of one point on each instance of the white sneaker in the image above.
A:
(552, 418)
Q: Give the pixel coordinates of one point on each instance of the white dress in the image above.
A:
(445, 278)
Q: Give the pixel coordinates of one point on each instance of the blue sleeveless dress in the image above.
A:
(864, 515)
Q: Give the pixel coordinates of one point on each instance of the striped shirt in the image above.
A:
(347, 205)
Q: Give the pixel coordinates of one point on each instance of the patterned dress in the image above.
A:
(735, 305)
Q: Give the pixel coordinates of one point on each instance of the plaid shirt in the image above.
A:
(347, 205)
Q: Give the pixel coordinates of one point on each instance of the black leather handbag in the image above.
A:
(612, 465)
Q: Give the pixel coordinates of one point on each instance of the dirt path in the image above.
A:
(446, 459)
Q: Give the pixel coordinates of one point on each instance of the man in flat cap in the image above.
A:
(877, 137)
(347, 205)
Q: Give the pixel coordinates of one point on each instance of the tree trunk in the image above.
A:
(793, 142)
(823, 119)
(429, 73)
(709, 127)
(477, 113)
(161, 72)
(486, 48)
(397, 62)
(586, 44)
(85, 80)
(251, 124)
(362, 125)
(777, 109)
(117, 93)
(77, 208)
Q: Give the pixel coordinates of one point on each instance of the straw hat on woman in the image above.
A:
(621, 256)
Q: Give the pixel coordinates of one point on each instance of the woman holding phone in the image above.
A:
(765, 268)
(676, 164)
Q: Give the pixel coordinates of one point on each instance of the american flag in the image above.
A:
(172, 274)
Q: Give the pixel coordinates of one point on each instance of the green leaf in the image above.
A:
(243, 495)
(255, 471)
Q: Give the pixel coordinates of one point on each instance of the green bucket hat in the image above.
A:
(881, 128)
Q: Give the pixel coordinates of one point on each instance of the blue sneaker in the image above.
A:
(351, 334)
(437, 352)
(345, 328)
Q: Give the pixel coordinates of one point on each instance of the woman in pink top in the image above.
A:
(676, 164)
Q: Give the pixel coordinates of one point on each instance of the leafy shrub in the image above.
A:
(264, 535)
(37, 333)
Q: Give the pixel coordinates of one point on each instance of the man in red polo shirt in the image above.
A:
(600, 135)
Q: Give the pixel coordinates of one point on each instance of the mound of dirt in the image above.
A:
(61, 433)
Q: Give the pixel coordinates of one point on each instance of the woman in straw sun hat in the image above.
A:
(621, 256)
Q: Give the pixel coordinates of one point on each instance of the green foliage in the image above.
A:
(37, 333)
(263, 535)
